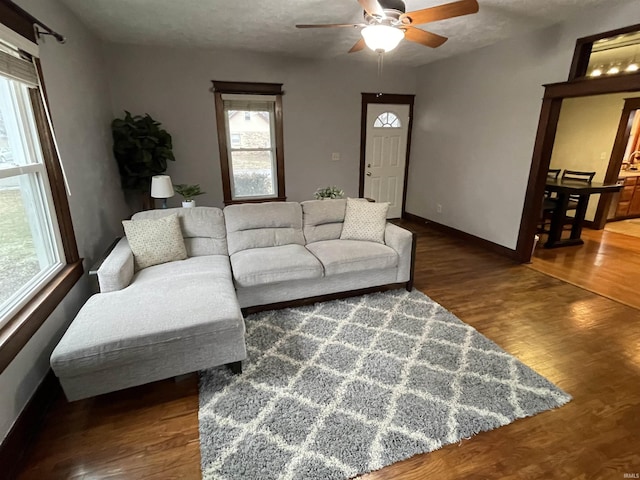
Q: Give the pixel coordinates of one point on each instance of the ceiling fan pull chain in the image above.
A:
(380, 62)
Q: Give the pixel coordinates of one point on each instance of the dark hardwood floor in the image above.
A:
(585, 343)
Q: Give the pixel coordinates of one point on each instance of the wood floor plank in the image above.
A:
(585, 343)
(608, 263)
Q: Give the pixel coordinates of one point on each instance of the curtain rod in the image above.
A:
(37, 23)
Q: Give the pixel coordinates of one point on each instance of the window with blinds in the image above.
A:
(31, 251)
(251, 141)
(251, 144)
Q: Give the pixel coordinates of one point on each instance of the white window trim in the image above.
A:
(230, 148)
(16, 40)
(46, 216)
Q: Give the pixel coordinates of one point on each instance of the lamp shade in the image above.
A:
(382, 38)
(161, 186)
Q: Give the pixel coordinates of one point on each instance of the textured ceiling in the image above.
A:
(268, 25)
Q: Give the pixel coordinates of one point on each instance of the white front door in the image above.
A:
(386, 154)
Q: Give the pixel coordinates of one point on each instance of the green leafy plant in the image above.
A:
(188, 191)
(328, 192)
(142, 150)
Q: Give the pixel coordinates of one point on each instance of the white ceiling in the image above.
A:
(268, 25)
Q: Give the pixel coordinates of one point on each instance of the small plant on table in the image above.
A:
(328, 192)
(188, 192)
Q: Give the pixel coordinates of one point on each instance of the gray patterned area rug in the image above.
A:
(346, 387)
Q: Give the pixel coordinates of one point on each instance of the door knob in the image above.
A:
(368, 174)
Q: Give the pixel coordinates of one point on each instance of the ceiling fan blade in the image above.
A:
(372, 7)
(427, 39)
(441, 12)
(358, 46)
(332, 25)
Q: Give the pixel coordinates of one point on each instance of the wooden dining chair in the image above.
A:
(553, 173)
(548, 203)
(576, 176)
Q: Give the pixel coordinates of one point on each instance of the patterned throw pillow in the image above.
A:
(155, 241)
(364, 221)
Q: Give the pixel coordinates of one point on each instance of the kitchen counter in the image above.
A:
(629, 173)
(627, 203)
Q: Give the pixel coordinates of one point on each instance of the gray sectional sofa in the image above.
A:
(290, 251)
(186, 315)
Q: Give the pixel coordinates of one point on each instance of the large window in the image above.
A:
(249, 120)
(251, 146)
(39, 261)
(30, 245)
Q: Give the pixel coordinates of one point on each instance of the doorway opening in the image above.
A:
(589, 139)
(581, 84)
(604, 260)
(622, 215)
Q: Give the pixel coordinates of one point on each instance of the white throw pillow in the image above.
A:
(364, 220)
(155, 241)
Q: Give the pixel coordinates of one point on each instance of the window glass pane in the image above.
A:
(17, 146)
(387, 120)
(26, 248)
(249, 127)
(6, 155)
(253, 174)
(255, 132)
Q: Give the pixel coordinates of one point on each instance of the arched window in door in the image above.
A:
(387, 120)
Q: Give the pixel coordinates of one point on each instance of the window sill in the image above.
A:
(19, 330)
(255, 200)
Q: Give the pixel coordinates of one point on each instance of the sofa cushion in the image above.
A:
(155, 241)
(164, 310)
(202, 228)
(364, 220)
(344, 256)
(258, 225)
(259, 266)
(322, 219)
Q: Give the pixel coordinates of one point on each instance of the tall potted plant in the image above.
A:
(142, 150)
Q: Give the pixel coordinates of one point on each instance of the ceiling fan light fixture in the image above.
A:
(382, 37)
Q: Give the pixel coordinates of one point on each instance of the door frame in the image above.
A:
(554, 94)
(390, 98)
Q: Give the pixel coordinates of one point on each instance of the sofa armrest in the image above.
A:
(402, 241)
(116, 271)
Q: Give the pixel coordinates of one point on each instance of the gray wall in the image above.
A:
(321, 110)
(76, 81)
(476, 121)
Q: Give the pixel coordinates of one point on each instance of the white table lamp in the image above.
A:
(161, 187)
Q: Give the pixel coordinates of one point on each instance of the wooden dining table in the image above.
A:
(563, 189)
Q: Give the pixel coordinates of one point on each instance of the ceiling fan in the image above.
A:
(386, 23)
